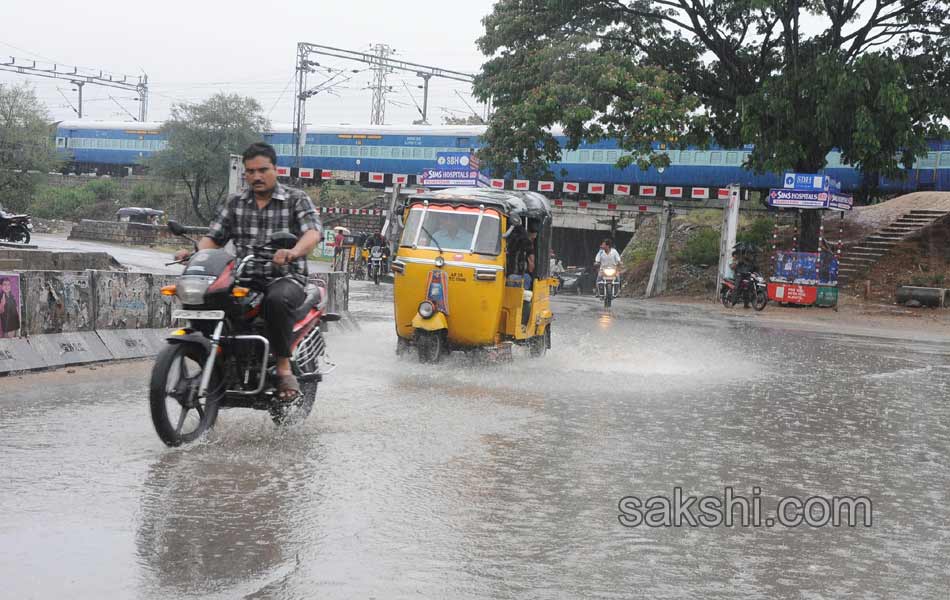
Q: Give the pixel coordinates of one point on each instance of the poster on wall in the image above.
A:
(9, 305)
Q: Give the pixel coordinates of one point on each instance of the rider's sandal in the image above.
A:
(288, 389)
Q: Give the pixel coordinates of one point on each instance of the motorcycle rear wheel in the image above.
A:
(176, 376)
(297, 411)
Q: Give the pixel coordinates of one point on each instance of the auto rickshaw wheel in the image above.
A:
(402, 346)
(429, 344)
(539, 344)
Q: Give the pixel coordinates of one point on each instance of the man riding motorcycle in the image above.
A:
(250, 219)
(607, 257)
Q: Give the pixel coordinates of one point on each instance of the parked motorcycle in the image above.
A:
(375, 268)
(221, 359)
(15, 228)
(608, 285)
(751, 290)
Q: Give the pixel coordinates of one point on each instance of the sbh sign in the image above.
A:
(810, 182)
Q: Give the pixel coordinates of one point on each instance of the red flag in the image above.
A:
(545, 186)
(498, 184)
(723, 193)
(698, 193)
(377, 177)
(572, 188)
(326, 174)
(400, 179)
(306, 173)
(522, 184)
(674, 192)
(283, 171)
(621, 189)
(595, 188)
(648, 190)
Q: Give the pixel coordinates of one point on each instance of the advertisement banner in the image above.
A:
(803, 268)
(452, 169)
(9, 305)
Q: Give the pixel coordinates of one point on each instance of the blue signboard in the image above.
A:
(810, 182)
(809, 199)
(452, 169)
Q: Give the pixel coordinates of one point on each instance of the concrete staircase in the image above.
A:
(858, 259)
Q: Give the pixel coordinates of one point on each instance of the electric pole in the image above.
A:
(79, 77)
(380, 70)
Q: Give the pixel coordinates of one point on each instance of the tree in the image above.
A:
(26, 154)
(201, 137)
(469, 120)
(871, 80)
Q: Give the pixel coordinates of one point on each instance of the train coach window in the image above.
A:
(462, 142)
(945, 159)
(585, 156)
(374, 151)
(928, 161)
(598, 156)
(60, 142)
(715, 158)
(354, 150)
(612, 156)
(417, 152)
(429, 152)
(686, 157)
(732, 158)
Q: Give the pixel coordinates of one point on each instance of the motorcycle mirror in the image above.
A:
(176, 228)
(283, 239)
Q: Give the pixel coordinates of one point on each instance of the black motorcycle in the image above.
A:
(221, 359)
(751, 289)
(375, 267)
(15, 228)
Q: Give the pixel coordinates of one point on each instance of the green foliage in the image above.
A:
(104, 190)
(201, 137)
(702, 248)
(63, 203)
(874, 83)
(26, 152)
(758, 233)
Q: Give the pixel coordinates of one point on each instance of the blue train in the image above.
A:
(119, 147)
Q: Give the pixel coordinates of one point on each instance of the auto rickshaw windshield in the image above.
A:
(462, 228)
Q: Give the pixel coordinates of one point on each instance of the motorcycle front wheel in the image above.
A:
(178, 415)
(299, 409)
(20, 234)
(761, 299)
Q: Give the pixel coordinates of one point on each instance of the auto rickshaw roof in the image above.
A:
(135, 210)
(521, 204)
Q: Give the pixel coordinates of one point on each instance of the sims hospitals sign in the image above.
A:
(453, 169)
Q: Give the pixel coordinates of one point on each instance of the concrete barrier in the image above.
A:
(56, 301)
(16, 354)
(60, 349)
(129, 343)
(122, 299)
(74, 317)
(927, 296)
(45, 260)
(124, 232)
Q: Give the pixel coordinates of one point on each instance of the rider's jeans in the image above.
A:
(281, 300)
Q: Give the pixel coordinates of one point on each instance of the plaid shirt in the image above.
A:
(241, 221)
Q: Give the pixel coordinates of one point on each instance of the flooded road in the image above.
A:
(496, 481)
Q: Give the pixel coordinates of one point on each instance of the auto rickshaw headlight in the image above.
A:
(439, 262)
(426, 309)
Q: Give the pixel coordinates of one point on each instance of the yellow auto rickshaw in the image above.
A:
(462, 276)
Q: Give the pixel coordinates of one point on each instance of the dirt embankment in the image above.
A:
(923, 259)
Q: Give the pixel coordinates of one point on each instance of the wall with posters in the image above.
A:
(10, 312)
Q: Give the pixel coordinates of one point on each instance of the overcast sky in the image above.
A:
(193, 49)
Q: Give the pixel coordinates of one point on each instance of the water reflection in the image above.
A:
(226, 517)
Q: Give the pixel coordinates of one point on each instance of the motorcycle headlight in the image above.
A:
(610, 272)
(191, 290)
(426, 309)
